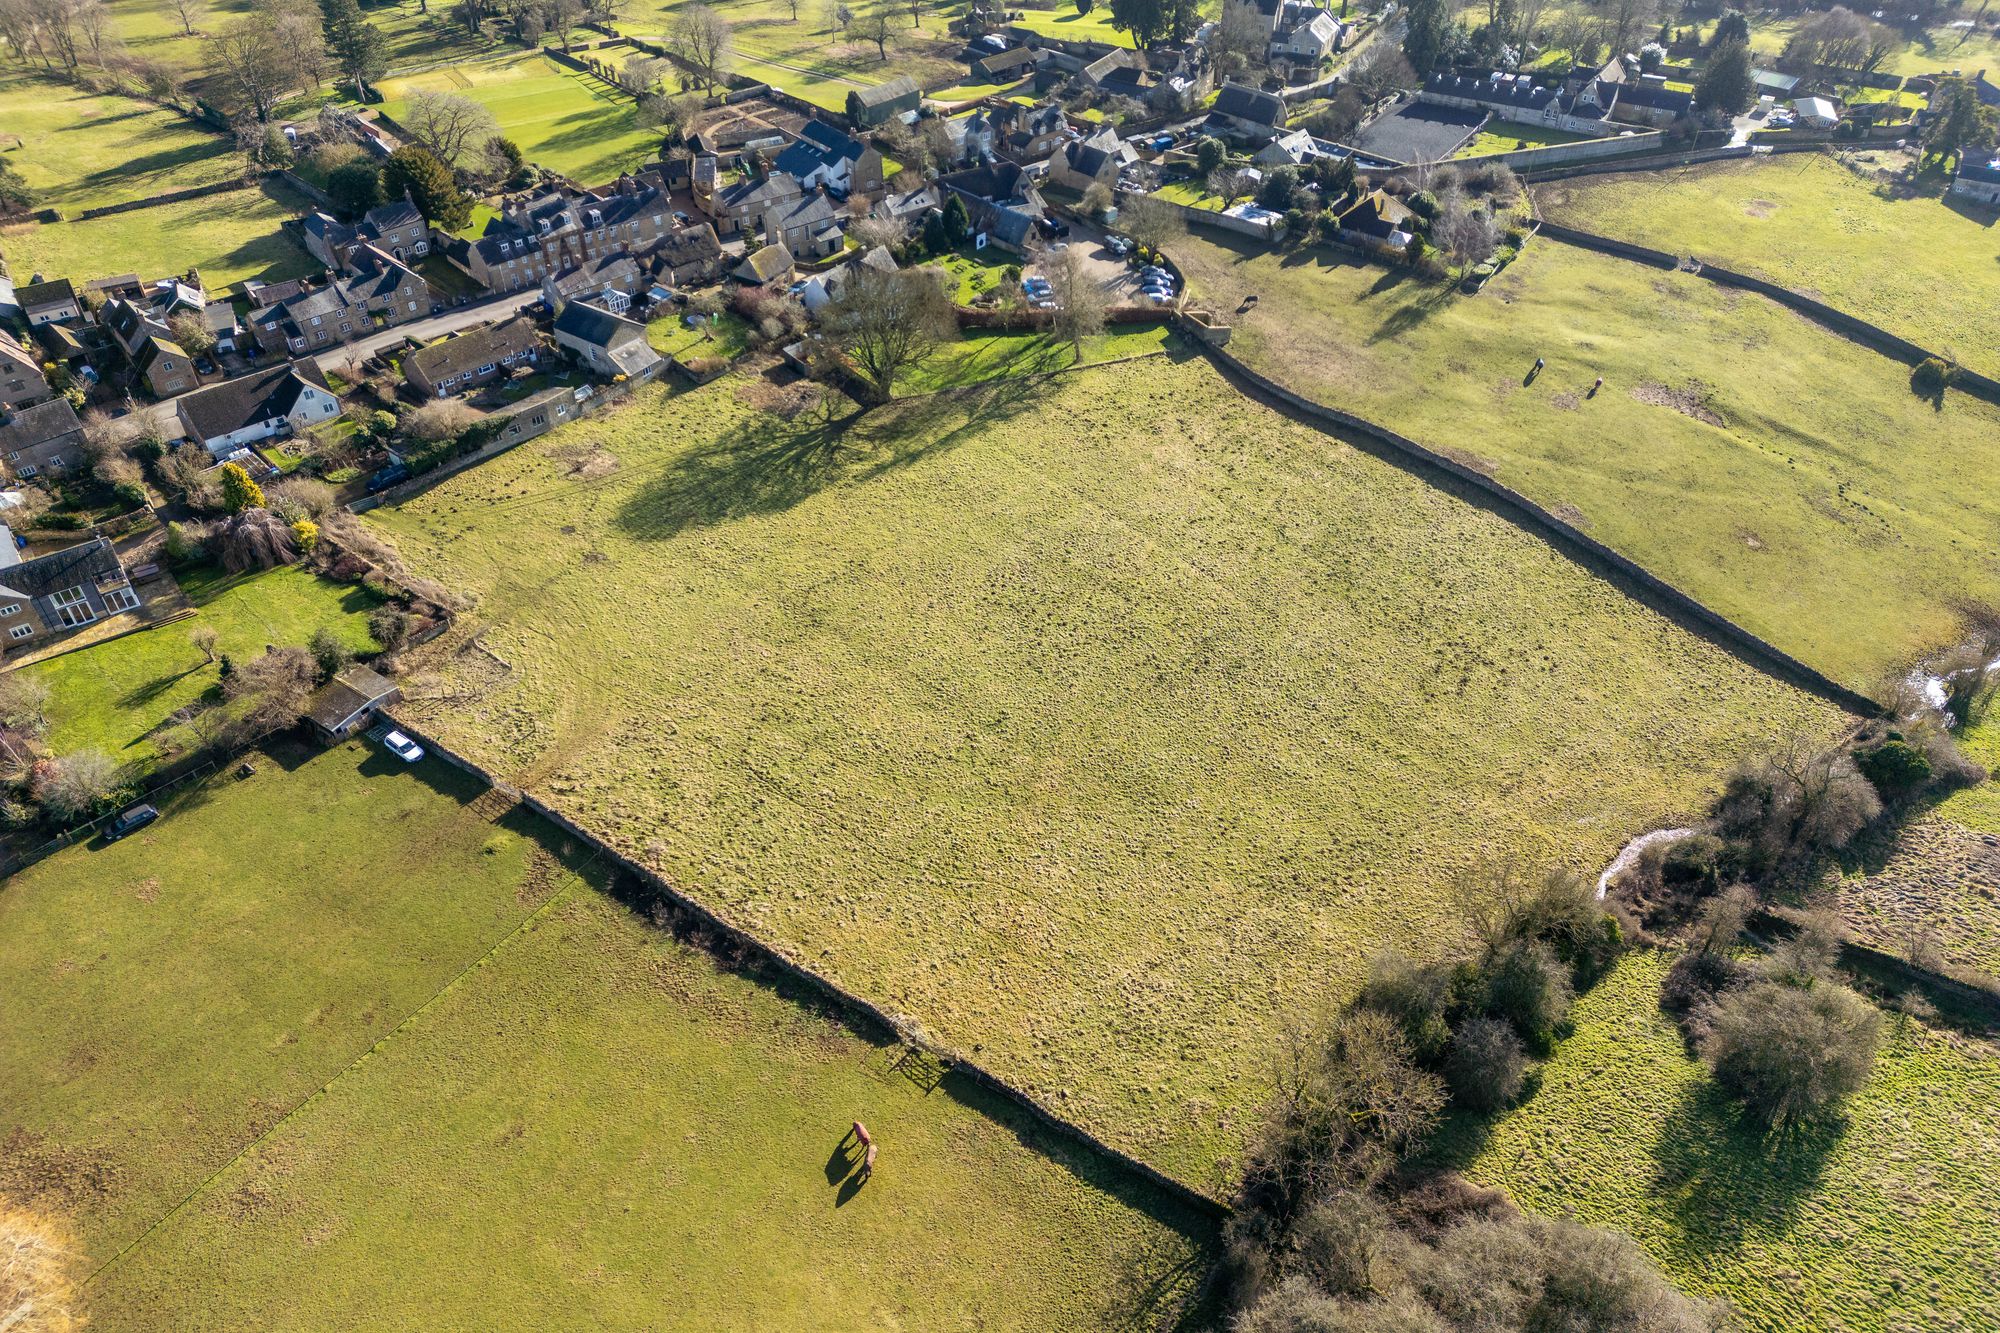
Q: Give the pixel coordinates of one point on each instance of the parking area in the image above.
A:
(1111, 271)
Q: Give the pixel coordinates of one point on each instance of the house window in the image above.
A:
(28, 472)
(413, 305)
(20, 631)
(55, 460)
(12, 608)
(73, 605)
(315, 321)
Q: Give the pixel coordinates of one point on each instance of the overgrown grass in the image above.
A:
(1884, 1222)
(81, 150)
(596, 1127)
(562, 118)
(1855, 233)
(116, 696)
(1783, 475)
(1099, 723)
(229, 237)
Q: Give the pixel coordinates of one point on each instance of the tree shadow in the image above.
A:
(156, 687)
(1412, 313)
(1725, 1181)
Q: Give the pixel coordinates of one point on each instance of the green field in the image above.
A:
(1786, 477)
(116, 696)
(229, 237)
(1910, 262)
(1097, 749)
(1507, 136)
(563, 119)
(1882, 1225)
(1062, 21)
(152, 30)
(671, 336)
(325, 1048)
(81, 150)
(810, 58)
(980, 355)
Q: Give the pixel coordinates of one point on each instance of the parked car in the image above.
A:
(383, 478)
(682, 218)
(402, 747)
(1118, 245)
(204, 366)
(130, 821)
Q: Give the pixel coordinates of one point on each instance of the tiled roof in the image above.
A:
(234, 404)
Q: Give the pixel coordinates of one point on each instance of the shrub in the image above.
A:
(253, 539)
(305, 534)
(1932, 376)
(1425, 205)
(131, 495)
(74, 784)
(1419, 998)
(1693, 984)
(1792, 1055)
(388, 625)
(1895, 769)
(1691, 860)
(1487, 1065)
(1529, 987)
(1347, 1245)
(239, 492)
(329, 652)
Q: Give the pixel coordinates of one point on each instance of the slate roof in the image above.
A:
(1249, 104)
(12, 350)
(389, 216)
(1987, 172)
(599, 327)
(695, 244)
(86, 562)
(1653, 97)
(53, 292)
(27, 428)
(271, 392)
(353, 689)
(813, 213)
(881, 94)
(1516, 92)
(485, 344)
(764, 265)
(520, 232)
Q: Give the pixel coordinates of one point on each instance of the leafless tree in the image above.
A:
(1242, 38)
(876, 26)
(700, 36)
(447, 124)
(204, 638)
(888, 322)
(1150, 221)
(93, 21)
(673, 115)
(1464, 230)
(275, 687)
(247, 60)
(189, 12)
(562, 18)
(1081, 300)
(70, 785)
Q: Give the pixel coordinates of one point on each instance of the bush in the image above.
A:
(1529, 987)
(183, 543)
(1791, 1055)
(131, 495)
(1487, 1065)
(239, 492)
(1932, 377)
(1694, 983)
(1420, 998)
(1425, 205)
(329, 652)
(1895, 769)
(1691, 860)
(76, 784)
(389, 626)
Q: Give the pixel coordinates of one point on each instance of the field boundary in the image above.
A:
(862, 1013)
(1636, 580)
(1828, 317)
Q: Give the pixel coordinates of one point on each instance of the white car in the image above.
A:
(402, 747)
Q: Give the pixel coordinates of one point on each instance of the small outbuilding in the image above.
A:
(345, 704)
(1816, 113)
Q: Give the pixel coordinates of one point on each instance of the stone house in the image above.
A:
(562, 229)
(41, 438)
(477, 356)
(21, 378)
(277, 401)
(52, 595)
(606, 344)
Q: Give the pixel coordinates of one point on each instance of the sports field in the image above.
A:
(1098, 750)
(1881, 1224)
(229, 237)
(563, 119)
(1782, 475)
(81, 150)
(327, 1048)
(1850, 231)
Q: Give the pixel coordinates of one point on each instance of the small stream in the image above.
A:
(1629, 856)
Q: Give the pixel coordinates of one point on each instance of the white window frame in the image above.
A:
(20, 631)
(71, 603)
(121, 598)
(11, 609)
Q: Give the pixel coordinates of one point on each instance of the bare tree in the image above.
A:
(189, 12)
(877, 27)
(447, 124)
(70, 785)
(1080, 299)
(1150, 221)
(672, 115)
(1230, 184)
(93, 20)
(204, 637)
(248, 62)
(1242, 38)
(562, 17)
(275, 687)
(300, 31)
(700, 36)
(1464, 230)
(887, 322)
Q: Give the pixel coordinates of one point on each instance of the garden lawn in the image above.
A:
(1784, 476)
(1911, 263)
(1191, 193)
(563, 119)
(116, 696)
(83, 150)
(977, 355)
(811, 58)
(597, 1128)
(670, 336)
(1882, 1223)
(1064, 22)
(975, 272)
(229, 237)
(172, 996)
(1506, 136)
(1100, 722)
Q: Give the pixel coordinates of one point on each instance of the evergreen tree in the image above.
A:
(239, 492)
(1431, 31)
(356, 186)
(357, 48)
(1727, 85)
(430, 185)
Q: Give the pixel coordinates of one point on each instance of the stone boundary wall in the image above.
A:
(170, 197)
(1562, 154)
(862, 1013)
(1838, 321)
(1595, 555)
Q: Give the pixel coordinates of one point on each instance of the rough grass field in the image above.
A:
(810, 57)
(1786, 477)
(116, 696)
(980, 355)
(1884, 1224)
(229, 237)
(596, 1128)
(81, 150)
(1097, 748)
(151, 29)
(449, 1124)
(563, 119)
(1834, 228)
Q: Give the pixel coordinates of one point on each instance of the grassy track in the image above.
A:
(1840, 231)
(229, 237)
(117, 696)
(1099, 748)
(83, 150)
(595, 1128)
(1784, 476)
(564, 120)
(1883, 1224)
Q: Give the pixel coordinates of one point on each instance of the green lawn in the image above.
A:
(1063, 21)
(151, 29)
(978, 355)
(811, 58)
(1098, 722)
(1883, 1224)
(974, 272)
(1191, 193)
(1506, 136)
(81, 150)
(1937, 50)
(325, 1048)
(1785, 476)
(116, 696)
(1908, 261)
(563, 119)
(229, 237)
(670, 336)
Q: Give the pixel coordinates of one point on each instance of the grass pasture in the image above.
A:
(1880, 1225)
(81, 150)
(1784, 476)
(326, 1048)
(1096, 749)
(1842, 231)
(563, 119)
(1507, 136)
(229, 237)
(979, 355)
(116, 696)
(811, 58)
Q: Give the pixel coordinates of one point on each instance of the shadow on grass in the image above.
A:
(1725, 1182)
(156, 687)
